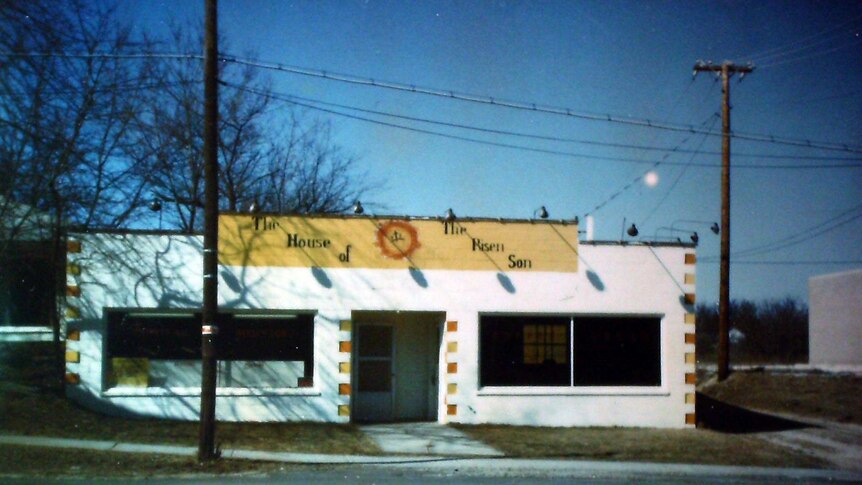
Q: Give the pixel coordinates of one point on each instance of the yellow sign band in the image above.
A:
(386, 243)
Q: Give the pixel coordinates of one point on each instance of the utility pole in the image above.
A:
(726, 69)
(209, 324)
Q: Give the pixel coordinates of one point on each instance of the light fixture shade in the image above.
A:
(694, 237)
(155, 205)
(633, 230)
(543, 213)
(254, 207)
(449, 216)
(714, 228)
(357, 208)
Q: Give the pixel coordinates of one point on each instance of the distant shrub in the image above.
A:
(770, 331)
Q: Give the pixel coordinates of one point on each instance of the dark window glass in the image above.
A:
(536, 350)
(524, 351)
(26, 290)
(617, 351)
(178, 337)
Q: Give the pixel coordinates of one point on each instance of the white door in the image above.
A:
(374, 389)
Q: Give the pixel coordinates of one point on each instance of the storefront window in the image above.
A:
(149, 349)
(525, 351)
(567, 351)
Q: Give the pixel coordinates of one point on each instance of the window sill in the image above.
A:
(220, 392)
(12, 328)
(573, 391)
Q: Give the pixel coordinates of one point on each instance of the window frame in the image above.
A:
(112, 390)
(662, 389)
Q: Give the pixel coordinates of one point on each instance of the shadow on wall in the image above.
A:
(595, 280)
(256, 396)
(506, 282)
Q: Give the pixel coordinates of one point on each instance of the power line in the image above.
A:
(809, 56)
(788, 262)
(678, 177)
(312, 104)
(534, 107)
(676, 149)
(802, 235)
(773, 50)
(638, 179)
(473, 98)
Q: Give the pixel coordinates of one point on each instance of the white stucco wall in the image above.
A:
(150, 271)
(835, 319)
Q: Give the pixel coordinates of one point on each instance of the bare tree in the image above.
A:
(65, 121)
(268, 153)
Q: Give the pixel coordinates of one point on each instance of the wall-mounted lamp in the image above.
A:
(713, 226)
(156, 206)
(449, 216)
(695, 238)
(357, 208)
(541, 212)
(632, 231)
(254, 207)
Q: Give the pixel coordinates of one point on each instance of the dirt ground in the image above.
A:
(643, 445)
(833, 397)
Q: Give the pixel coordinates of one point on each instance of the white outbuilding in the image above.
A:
(835, 319)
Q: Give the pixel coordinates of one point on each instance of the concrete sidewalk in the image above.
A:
(471, 466)
(191, 451)
(426, 439)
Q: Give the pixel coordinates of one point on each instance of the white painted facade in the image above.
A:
(835, 319)
(158, 271)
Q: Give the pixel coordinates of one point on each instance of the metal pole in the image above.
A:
(724, 283)
(209, 326)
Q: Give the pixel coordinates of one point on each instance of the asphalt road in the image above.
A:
(509, 472)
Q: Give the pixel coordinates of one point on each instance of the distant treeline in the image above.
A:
(770, 331)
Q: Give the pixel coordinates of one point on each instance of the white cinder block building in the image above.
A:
(358, 319)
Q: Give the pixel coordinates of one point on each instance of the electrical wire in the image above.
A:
(801, 235)
(773, 50)
(679, 176)
(638, 179)
(522, 105)
(809, 56)
(788, 262)
(676, 149)
(312, 104)
(473, 98)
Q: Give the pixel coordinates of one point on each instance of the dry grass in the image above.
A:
(641, 445)
(29, 407)
(34, 462)
(834, 397)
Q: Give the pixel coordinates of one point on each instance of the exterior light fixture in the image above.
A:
(542, 212)
(156, 206)
(357, 208)
(714, 228)
(632, 231)
(254, 207)
(694, 237)
(449, 216)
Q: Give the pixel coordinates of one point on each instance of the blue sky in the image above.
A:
(625, 59)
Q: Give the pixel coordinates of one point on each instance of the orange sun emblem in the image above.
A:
(397, 239)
